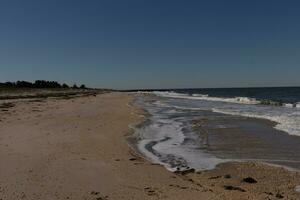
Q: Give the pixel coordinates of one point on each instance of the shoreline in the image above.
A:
(77, 149)
(146, 115)
(245, 122)
(231, 163)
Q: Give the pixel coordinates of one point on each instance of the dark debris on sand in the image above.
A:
(98, 196)
(249, 180)
(185, 172)
(230, 187)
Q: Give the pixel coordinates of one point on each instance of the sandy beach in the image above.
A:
(77, 149)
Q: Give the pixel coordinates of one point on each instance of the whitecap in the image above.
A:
(239, 100)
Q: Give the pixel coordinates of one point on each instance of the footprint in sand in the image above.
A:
(151, 191)
(98, 196)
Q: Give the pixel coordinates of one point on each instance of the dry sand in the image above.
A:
(76, 149)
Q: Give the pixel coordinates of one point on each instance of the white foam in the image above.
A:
(287, 121)
(200, 95)
(239, 100)
(187, 108)
(167, 142)
(289, 105)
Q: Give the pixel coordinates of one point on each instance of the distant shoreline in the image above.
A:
(205, 88)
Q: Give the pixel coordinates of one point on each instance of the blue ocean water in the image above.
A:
(277, 94)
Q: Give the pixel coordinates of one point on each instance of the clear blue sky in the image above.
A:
(151, 43)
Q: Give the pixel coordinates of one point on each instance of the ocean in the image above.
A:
(201, 128)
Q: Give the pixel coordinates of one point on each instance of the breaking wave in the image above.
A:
(287, 116)
(239, 100)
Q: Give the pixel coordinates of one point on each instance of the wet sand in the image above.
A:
(245, 139)
(77, 149)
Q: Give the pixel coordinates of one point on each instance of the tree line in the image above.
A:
(39, 84)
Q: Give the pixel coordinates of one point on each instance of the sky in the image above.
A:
(136, 44)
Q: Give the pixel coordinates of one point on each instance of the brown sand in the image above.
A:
(76, 149)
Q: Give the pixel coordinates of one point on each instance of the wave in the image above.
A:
(200, 95)
(287, 115)
(289, 105)
(241, 100)
(287, 122)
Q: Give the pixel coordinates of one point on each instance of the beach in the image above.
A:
(77, 148)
